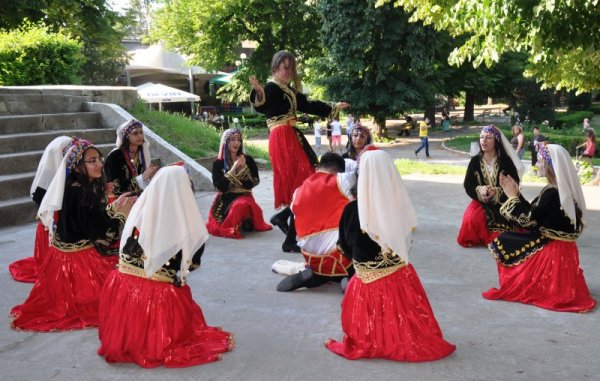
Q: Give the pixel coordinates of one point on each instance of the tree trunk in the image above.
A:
(380, 129)
(430, 114)
(469, 114)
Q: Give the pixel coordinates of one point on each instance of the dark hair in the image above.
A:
(94, 190)
(279, 58)
(332, 161)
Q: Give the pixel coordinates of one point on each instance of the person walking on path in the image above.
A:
(423, 127)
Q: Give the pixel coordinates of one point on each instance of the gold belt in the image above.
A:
(126, 268)
(273, 124)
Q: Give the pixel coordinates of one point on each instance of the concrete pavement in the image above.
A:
(279, 336)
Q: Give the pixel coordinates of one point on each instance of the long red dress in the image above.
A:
(540, 267)
(234, 205)
(67, 289)
(385, 311)
(155, 321)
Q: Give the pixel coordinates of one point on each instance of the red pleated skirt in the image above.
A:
(390, 318)
(474, 230)
(66, 293)
(290, 163)
(243, 208)
(153, 323)
(24, 270)
(550, 278)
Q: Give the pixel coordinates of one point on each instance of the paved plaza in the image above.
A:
(279, 336)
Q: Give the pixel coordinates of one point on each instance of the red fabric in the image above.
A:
(244, 207)
(550, 278)
(65, 295)
(154, 323)
(332, 264)
(24, 269)
(290, 163)
(318, 204)
(390, 318)
(474, 230)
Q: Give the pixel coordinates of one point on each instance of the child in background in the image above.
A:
(317, 127)
(336, 135)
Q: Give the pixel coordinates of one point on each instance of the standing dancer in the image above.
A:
(482, 221)
(234, 174)
(291, 155)
(385, 311)
(24, 270)
(66, 293)
(147, 314)
(541, 267)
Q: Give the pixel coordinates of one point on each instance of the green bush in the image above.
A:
(571, 119)
(31, 55)
(595, 108)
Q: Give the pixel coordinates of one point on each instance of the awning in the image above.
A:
(157, 93)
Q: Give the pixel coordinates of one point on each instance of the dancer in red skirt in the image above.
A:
(147, 314)
(234, 174)
(541, 267)
(482, 220)
(66, 293)
(385, 311)
(24, 270)
(291, 155)
(317, 205)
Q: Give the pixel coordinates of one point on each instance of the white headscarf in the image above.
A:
(385, 211)
(53, 199)
(51, 158)
(122, 133)
(569, 187)
(168, 219)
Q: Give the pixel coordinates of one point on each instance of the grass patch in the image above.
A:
(195, 139)
(407, 167)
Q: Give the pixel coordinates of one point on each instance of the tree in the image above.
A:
(91, 21)
(210, 32)
(376, 60)
(562, 38)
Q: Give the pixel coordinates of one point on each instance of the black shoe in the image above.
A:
(282, 225)
(247, 226)
(292, 282)
(290, 248)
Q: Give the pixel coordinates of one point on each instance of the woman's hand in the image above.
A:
(239, 163)
(509, 186)
(124, 203)
(260, 92)
(150, 172)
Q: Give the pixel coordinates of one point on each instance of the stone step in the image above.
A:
(17, 211)
(19, 124)
(21, 101)
(14, 143)
(15, 186)
(14, 163)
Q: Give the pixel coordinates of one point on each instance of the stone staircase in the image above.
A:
(22, 141)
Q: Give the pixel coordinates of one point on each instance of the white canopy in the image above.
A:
(157, 93)
(155, 59)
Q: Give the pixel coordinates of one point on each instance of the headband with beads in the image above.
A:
(491, 129)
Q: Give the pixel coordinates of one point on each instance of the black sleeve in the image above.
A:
(38, 195)
(319, 108)
(254, 181)
(218, 176)
(116, 171)
(342, 243)
(271, 91)
(96, 222)
(471, 182)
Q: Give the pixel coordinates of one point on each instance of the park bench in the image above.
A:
(484, 114)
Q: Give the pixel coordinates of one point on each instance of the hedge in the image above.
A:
(571, 119)
(31, 55)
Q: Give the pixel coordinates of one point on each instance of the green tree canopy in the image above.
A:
(377, 60)
(562, 38)
(91, 21)
(211, 32)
